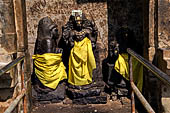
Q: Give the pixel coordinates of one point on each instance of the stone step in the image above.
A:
(101, 99)
(74, 93)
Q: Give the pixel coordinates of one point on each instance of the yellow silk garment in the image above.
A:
(81, 63)
(49, 69)
(122, 67)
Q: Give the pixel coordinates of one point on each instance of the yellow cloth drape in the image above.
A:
(122, 67)
(49, 69)
(81, 63)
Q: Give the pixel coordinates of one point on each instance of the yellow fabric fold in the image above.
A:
(122, 67)
(81, 63)
(49, 69)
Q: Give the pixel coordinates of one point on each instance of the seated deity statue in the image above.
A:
(48, 68)
(126, 39)
(119, 70)
(79, 40)
(111, 77)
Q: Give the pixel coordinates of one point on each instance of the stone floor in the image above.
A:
(112, 106)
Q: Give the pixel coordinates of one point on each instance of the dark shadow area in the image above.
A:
(125, 25)
(126, 14)
(5, 91)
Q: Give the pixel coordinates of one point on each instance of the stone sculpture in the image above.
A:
(115, 67)
(77, 28)
(49, 71)
(78, 41)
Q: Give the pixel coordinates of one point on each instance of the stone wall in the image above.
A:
(164, 23)
(164, 44)
(7, 39)
(8, 48)
(60, 11)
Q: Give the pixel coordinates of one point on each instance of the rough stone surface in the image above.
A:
(109, 107)
(73, 93)
(91, 100)
(52, 97)
(7, 26)
(7, 41)
(164, 65)
(166, 103)
(164, 23)
(88, 94)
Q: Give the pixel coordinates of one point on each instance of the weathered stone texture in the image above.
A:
(164, 23)
(7, 40)
(60, 12)
(7, 26)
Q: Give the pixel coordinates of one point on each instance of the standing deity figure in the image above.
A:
(79, 40)
(49, 69)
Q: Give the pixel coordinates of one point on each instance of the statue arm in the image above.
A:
(92, 33)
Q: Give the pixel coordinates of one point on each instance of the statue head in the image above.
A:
(46, 36)
(77, 19)
(79, 27)
(113, 51)
(47, 28)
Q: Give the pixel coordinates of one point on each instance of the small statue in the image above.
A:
(125, 38)
(49, 70)
(117, 47)
(110, 76)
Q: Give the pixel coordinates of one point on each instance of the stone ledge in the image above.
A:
(74, 93)
(102, 99)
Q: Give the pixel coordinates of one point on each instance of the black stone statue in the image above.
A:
(46, 42)
(108, 64)
(115, 81)
(76, 29)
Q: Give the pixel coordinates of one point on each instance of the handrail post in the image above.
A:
(131, 81)
(23, 86)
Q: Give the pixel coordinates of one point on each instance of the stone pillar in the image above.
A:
(153, 85)
(22, 49)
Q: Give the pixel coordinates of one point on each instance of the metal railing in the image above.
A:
(159, 74)
(6, 68)
(11, 65)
